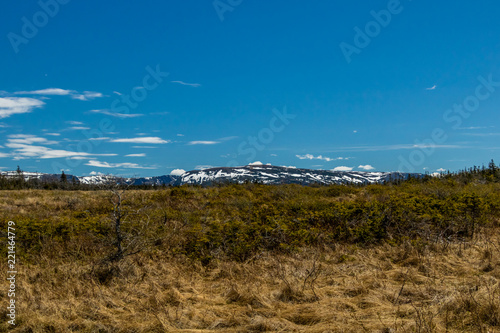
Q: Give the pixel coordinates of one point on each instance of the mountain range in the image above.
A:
(265, 174)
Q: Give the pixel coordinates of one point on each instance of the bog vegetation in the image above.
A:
(421, 255)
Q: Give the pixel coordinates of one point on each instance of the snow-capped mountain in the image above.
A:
(269, 174)
(266, 174)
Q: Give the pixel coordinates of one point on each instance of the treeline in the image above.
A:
(63, 182)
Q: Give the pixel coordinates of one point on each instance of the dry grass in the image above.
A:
(382, 289)
(439, 287)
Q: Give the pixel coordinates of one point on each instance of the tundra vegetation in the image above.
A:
(421, 255)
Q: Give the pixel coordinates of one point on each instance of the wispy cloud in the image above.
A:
(29, 139)
(203, 142)
(136, 155)
(116, 114)
(320, 157)
(78, 128)
(30, 146)
(87, 95)
(150, 140)
(99, 138)
(47, 92)
(431, 88)
(474, 127)
(195, 85)
(397, 147)
(18, 105)
(72, 122)
(23, 151)
(83, 96)
(203, 167)
(125, 165)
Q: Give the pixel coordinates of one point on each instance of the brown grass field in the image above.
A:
(65, 285)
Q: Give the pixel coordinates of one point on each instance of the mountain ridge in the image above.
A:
(266, 174)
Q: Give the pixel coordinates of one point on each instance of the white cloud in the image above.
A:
(125, 165)
(177, 172)
(431, 88)
(441, 170)
(117, 93)
(342, 168)
(53, 134)
(87, 95)
(146, 139)
(116, 114)
(46, 92)
(474, 127)
(136, 155)
(78, 128)
(397, 147)
(195, 85)
(4, 155)
(29, 139)
(18, 105)
(100, 138)
(320, 157)
(72, 122)
(274, 155)
(96, 173)
(203, 143)
(203, 167)
(256, 163)
(180, 134)
(366, 167)
(83, 96)
(23, 151)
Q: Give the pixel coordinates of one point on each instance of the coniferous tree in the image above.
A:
(64, 179)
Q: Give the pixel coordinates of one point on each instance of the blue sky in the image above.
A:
(146, 88)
